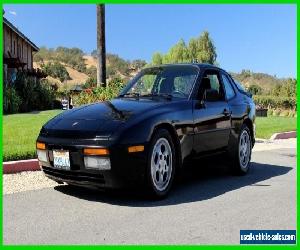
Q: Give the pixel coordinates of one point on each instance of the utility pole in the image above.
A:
(101, 51)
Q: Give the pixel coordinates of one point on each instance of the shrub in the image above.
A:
(270, 112)
(90, 83)
(276, 112)
(56, 70)
(97, 94)
(12, 101)
(291, 113)
(284, 113)
(34, 94)
(275, 102)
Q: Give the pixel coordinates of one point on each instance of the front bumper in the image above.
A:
(127, 169)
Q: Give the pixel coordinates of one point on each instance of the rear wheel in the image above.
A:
(161, 164)
(243, 152)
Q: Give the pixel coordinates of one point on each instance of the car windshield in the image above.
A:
(167, 81)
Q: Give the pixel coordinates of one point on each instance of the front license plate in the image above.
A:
(61, 159)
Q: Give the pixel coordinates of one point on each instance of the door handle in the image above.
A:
(226, 112)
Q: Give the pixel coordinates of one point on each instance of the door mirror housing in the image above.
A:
(211, 95)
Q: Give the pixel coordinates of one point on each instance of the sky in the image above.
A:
(261, 38)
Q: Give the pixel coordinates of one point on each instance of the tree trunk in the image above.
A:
(101, 53)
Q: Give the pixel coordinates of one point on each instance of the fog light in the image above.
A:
(96, 162)
(42, 155)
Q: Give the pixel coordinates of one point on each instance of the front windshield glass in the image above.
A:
(174, 81)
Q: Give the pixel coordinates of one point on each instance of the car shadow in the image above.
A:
(200, 180)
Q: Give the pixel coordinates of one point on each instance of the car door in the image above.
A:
(212, 118)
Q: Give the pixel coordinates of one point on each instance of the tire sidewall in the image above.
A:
(161, 133)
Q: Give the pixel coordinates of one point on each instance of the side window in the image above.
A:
(228, 88)
(214, 82)
(210, 80)
(184, 84)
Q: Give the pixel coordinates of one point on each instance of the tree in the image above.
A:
(199, 49)
(138, 64)
(157, 58)
(254, 89)
(179, 53)
(193, 48)
(101, 62)
(206, 51)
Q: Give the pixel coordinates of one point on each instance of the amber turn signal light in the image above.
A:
(40, 145)
(134, 149)
(96, 151)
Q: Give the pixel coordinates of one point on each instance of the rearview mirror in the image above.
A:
(211, 95)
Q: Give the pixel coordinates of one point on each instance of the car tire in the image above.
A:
(242, 152)
(161, 164)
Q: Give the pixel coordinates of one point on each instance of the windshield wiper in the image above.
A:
(134, 94)
(164, 95)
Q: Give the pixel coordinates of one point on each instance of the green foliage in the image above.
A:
(254, 89)
(97, 94)
(34, 94)
(118, 64)
(287, 88)
(138, 64)
(56, 70)
(179, 53)
(157, 58)
(72, 57)
(275, 102)
(284, 113)
(206, 51)
(117, 82)
(90, 83)
(11, 101)
(268, 85)
(199, 49)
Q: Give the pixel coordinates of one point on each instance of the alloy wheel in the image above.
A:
(161, 164)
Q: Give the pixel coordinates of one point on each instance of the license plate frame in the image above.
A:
(61, 159)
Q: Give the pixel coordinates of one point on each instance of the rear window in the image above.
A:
(239, 86)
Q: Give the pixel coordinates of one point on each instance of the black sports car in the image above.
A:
(164, 115)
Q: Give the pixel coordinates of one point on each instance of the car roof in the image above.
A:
(199, 65)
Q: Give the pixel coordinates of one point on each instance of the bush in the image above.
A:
(275, 102)
(12, 101)
(276, 112)
(270, 112)
(291, 113)
(56, 70)
(284, 113)
(29, 93)
(97, 94)
(90, 83)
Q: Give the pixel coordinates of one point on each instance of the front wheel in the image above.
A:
(161, 164)
(243, 152)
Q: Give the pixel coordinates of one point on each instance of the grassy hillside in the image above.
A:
(265, 81)
(81, 67)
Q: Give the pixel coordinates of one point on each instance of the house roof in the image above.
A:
(15, 29)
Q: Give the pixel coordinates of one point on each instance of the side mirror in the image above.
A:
(211, 95)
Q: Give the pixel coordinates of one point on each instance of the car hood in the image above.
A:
(98, 119)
